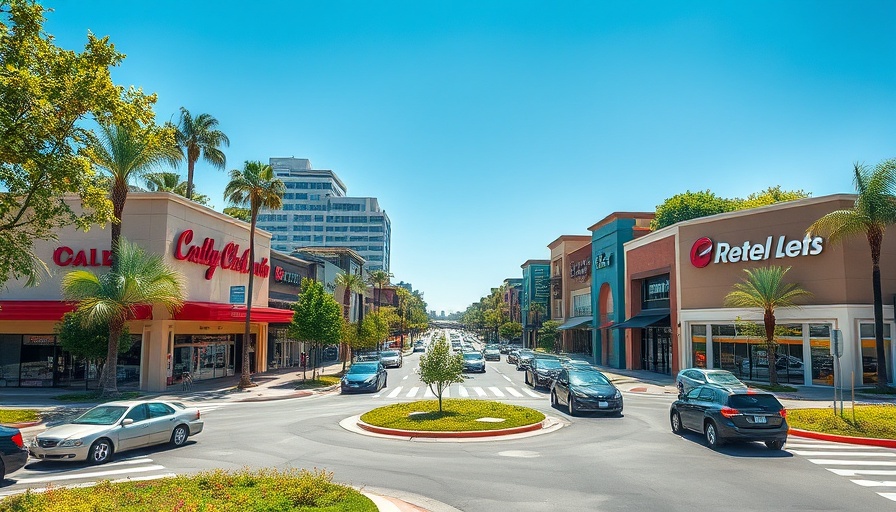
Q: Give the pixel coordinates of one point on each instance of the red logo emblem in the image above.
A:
(278, 273)
(701, 252)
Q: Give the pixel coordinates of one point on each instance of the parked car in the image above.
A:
(391, 358)
(784, 365)
(723, 415)
(585, 390)
(513, 355)
(114, 427)
(690, 378)
(542, 371)
(13, 454)
(492, 354)
(474, 362)
(368, 357)
(576, 364)
(366, 376)
(523, 359)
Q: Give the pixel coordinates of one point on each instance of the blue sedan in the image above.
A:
(366, 376)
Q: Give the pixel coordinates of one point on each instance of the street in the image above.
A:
(633, 462)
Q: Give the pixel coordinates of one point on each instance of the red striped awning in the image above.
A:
(213, 311)
(51, 310)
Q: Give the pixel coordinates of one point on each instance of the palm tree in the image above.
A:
(138, 279)
(128, 153)
(351, 283)
(171, 182)
(874, 210)
(198, 136)
(379, 278)
(256, 187)
(537, 309)
(764, 288)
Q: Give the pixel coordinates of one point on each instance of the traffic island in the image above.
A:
(872, 425)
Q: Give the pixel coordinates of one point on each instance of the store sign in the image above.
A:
(228, 258)
(580, 270)
(67, 257)
(705, 251)
(282, 276)
(603, 260)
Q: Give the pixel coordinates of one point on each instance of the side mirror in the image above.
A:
(127, 421)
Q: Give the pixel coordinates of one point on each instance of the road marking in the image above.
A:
(405, 377)
(857, 472)
(888, 495)
(844, 454)
(94, 474)
(875, 483)
(496, 391)
(463, 391)
(446, 393)
(479, 391)
(531, 393)
(836, 462)
(413, 392)
(829, 446)
(506, 377)
(394, 392)
(430, 394)
(514, 392)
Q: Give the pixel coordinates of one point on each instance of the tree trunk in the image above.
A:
(769, 320)
(190, 164)
(882, 377)
(109, 376)
(245, 375)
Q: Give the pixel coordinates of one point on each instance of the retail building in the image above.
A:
(535, 297)
(571, 292)
(677, 279)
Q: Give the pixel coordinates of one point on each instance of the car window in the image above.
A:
(691, 374)
(707, 395)
(564, 376)
(138, 413)
(157, 410)
(363, 368)
(588, 378)
(694, 393)
(755, 400)
(101, 415)
(549, 363)
(722, 378)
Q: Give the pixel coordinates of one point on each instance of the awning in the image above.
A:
(644, 318)
(212, 311)
(50, 310)
(576, 322)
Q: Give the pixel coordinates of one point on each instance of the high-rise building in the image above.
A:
(317, 213)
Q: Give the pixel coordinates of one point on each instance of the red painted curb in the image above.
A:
(870, 441)
(445, 435)
(22, 425)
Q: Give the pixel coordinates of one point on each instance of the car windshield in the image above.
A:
(472, 356)
(755, 401)
(587, 378)
(722, 378)
(362, 368)
(389, 353)
(549, 364)
(101, 415)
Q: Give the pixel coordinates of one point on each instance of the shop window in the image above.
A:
(655, 292)
(38, 355)
(820, 351)
(740, 348)
(698, 346)
(10, 356)
(869, 351)
(128, 367)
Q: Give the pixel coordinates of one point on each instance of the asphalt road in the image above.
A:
(593, 463)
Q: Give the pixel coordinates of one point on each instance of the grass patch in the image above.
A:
(97, 396)
(18, 415)
(458, 415)
(322, 381)
(878, 421)
(780, 388)
(219, 491)
(877, 391)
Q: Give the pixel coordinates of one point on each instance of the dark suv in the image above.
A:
(723, 415)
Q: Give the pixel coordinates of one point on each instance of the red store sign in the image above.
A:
(66, 256)
(228, 258)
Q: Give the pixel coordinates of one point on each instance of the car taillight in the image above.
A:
(729, 412)
(197, 414)
(783, 412)
(17, 439)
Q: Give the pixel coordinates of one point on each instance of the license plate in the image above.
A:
(759, 419)
(603, 404)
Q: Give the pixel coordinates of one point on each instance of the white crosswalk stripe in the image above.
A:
(531, 393)
(480, 391)
(496, 391)
(459, 390)
(36, 478)
(462, 391)
(514, 392)
(856, 462)
(429, 394)
(412, 392)
(394, 392)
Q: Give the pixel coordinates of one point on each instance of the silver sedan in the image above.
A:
(115, 427)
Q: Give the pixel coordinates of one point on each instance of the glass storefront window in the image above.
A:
(869, 351)
(820, 351)
(10, 356)
(740, 349)
(202, 356)
(698, 346)
(38, 354)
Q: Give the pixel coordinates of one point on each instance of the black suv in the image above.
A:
(723, 415)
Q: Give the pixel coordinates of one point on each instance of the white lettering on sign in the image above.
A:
(783, 248)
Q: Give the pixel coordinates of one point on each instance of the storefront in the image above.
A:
(204, 338)
(704, 258)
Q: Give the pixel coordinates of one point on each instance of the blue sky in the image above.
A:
(488, 129)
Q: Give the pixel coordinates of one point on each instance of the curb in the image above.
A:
(297, 394)
(26, 424)
(868, 441)
(451, 434)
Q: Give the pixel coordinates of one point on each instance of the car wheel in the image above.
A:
(777, 444)
(179, 435)
(712, 435)
(526, 378)
(553, 399)
(100, 452)
(676, 422)
(571, 405)
(534, 382)
(2, 473)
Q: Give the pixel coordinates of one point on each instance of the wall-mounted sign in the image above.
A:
(238, 294)
(603, 260)
(228, 258)
(580, 270)
(282, 276)
(542, 282)
(705, 251)
(68, 257)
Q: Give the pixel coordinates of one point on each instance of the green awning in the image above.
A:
(645, 318)
(576, 322)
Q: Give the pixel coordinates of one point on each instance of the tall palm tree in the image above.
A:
(537, 309)
(256, 187)
(111, 299)
(199, 136)
(171, 182)
(128, 153)
(874, 210)
(379, 278)
(351, 283)
(764, 288)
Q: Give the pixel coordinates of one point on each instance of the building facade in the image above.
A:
(575, 337)
(317, 213)
(535, 298)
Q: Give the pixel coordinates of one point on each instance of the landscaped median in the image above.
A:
(458, 418)
(19, 418)
(865, 424)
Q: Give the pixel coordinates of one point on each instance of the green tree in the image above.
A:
(199, 136)
(87, 341)
(511, 330)
(689, 205)
(536, 312)
(256, 187)
(771, 195)
(873, 211)
(764, 288)
(439, 368)
(171, 182)
(379, 278)
(128, 152)
(550, 333)
(317, 319)
(46, 95)
(138, 279)
(238, 213)
(350, 283)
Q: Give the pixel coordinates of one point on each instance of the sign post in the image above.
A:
(837, 352)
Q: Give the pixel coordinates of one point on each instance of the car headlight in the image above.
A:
(370, 380)
(71, 442)
(618, 394)
(579, 393)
